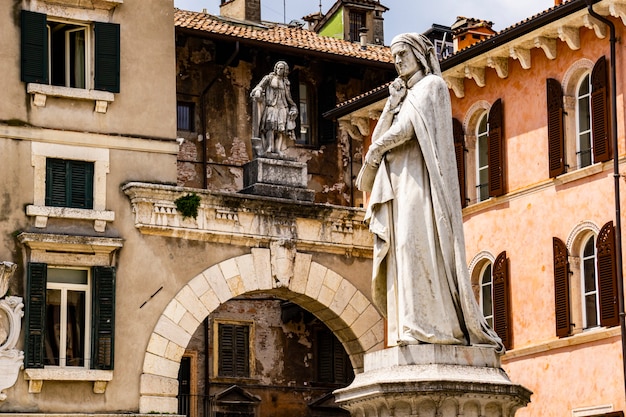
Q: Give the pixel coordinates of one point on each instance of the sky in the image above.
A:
(403, 15)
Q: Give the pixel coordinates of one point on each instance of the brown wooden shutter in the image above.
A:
(495, 155)
(501, 300)
(607, 280)
(600, 112)
(556, 136)
(561, 288)
(459, 150)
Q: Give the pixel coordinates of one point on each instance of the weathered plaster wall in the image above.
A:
(201, 67)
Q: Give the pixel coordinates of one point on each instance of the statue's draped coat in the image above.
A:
(420, 277)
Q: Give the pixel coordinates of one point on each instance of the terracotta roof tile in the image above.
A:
(277, 34)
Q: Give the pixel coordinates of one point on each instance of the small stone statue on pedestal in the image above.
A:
(275, 112)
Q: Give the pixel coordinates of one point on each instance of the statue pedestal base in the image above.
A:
(432, 380)
(277, 178)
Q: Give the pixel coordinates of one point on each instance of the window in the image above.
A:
(57, 52)
(69, 183)
(67, 50)
(490, 278)
(357, 21)
(70, 317)
(486, 298)
(588, 299)
(589, 284)
(333, 363)
(583, 122)
(67, 312)
(482, 160)
(234, 350)
(304, 135)
(185, 116)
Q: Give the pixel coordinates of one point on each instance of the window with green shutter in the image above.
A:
(69, 183)
(55, 51)
(57, 312)
(333, 363)
(234, 350)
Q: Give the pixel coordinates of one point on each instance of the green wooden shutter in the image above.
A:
(80, 186)
(35, 315)
(459, 150)
(242, 356)
(34, 51)
(495, 156)
(324, 357)
(103, 317)
(226, 350)
(561, 288)
(56, 182)
(107, 57)
(607, 277)
(556, 131)
(339, 361)
(501, 300)
(600, 133)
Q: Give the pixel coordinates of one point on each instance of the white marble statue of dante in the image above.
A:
(420, 277)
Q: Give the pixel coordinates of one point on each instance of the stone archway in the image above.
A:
(323, 292)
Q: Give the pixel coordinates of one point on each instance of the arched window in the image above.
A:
(583, 122)
(589, 284)
(486, 294)
(482, 162)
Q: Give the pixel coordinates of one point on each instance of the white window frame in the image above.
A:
(579, 133)
(484, 287)
(595, 293)
(479, 168)
(88, 53)
(64, 287)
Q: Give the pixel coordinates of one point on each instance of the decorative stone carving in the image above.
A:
(11, 312)
(6, 271)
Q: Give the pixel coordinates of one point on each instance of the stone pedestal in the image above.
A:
(279, 178)
(433, 380)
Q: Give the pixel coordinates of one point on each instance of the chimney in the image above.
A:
(467, 31)
(558, 2)
(241, 9)
(313, 19)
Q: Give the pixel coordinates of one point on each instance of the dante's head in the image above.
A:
(408, 48)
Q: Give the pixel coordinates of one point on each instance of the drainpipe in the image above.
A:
(616, 177)
(203, 126)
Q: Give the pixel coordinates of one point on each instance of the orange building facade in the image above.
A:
(532, 117)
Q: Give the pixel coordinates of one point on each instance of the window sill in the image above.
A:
(98, 4)
(36, 377)
(579, 173)
(40, 92)
(42, 213)
(588, 336)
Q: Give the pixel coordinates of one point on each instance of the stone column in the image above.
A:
(433, 381)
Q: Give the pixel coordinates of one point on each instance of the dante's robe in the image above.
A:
(420, 278)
